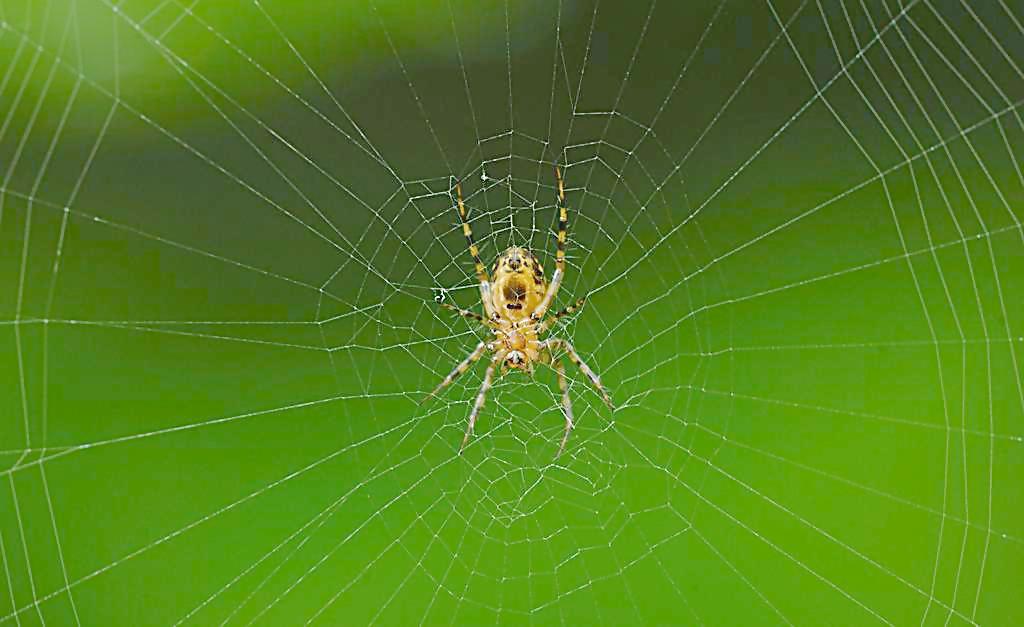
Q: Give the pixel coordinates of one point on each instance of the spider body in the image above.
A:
(515, 303)
(521, 346)
(517, 289)
(519, 284)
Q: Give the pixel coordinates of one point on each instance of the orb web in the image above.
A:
(226, 235)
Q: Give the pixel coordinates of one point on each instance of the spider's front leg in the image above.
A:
(563, 385)
(460, 369)
(555, 343)
(479, 403)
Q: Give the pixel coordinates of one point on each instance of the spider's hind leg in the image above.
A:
(559, 274)
(478, 264)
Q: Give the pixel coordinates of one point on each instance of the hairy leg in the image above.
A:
(570, 352)
(465, 313)
(563, 227)
(481, 270)
(460, 369)
(563, 385)
(479, 403)
(568, 311)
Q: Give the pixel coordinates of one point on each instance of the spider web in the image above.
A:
(225, 229)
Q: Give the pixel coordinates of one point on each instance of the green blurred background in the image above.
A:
(224, 226)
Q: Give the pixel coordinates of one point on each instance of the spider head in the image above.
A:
(515, 359)
(516, 341)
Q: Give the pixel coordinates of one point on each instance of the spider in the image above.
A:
(515, 303)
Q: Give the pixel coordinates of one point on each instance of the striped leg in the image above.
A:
(568, 311)
(465, 313)
(563, 385)
(563, 227)
(481, 270)
(461, 368)
(479, 403)
(574, 357)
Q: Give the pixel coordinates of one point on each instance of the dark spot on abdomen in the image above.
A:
(515, 291)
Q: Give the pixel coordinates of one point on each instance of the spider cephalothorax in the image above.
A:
(515, 303)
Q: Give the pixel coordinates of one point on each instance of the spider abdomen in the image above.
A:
(518, 284)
